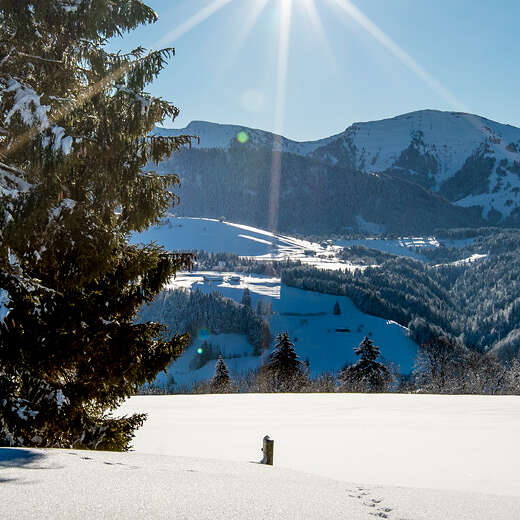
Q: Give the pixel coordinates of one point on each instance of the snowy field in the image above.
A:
(215, 236)
(353, 456)
(461, 443)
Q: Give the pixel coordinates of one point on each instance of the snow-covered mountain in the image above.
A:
(418, 170)
(470, 160)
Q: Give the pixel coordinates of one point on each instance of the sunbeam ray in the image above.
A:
(379, 35)
(91, 91)
(281, 91)
(248, 25)
(254, 14)
(314, 17)
(192, 22)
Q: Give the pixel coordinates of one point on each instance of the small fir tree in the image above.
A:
(337, 310)
(246, 298)
(221, 382)
(284, 370)
(367, 374)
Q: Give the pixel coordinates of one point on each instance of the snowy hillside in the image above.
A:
(440, 150)
(214, 236)
(410, 247)
(352, 456)
(326, 340)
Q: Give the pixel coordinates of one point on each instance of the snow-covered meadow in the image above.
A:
(462, 443)
(408, 457)
(217, 236)
(404, 246)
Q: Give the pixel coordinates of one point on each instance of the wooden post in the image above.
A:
(268, 449)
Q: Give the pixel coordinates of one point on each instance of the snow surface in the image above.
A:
(469, 260)
(408, 457)
(50, 484)
(215, 236)
(460, 443)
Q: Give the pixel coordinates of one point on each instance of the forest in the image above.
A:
(477, 302)
(192, 311)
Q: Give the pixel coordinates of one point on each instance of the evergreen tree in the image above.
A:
(221, 382)
(246, 297)
(75, 124)
(284, 370)
(337, 310)
(367, 375)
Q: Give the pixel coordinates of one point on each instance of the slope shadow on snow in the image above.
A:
(18, 458)
(15, 457)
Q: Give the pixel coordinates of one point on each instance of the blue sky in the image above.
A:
(373, 59)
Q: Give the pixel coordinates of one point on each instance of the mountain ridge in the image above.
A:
(470, 162)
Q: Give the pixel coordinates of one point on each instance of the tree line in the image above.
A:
(442, 366)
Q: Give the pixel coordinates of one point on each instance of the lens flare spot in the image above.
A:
(199, 351)
(242, 137)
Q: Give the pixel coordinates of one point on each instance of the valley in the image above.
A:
(322, 339)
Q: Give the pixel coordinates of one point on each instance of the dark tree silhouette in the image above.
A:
(221, 382)
(76, 147)
(284, 370)
(367, 374)
(246, 298)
